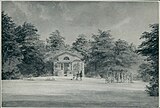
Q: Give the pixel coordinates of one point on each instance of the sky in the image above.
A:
(126, 20)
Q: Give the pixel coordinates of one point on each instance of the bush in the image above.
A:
(152, 91)
(11, 75)
(153, 88)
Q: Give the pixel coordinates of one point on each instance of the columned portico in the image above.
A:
(67, 64)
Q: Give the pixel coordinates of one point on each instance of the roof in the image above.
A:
(54, 55)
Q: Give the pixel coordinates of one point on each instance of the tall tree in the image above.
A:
(144, 70)
(125, 54)
(101, 50)
(9, 45)
(10, 48)
(149, 48)
(82, 46)
(124, 57)
(21, 49)
(28, 39)
(55, 41)
(111, 58)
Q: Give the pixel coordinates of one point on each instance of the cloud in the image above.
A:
(121, 23)
(74, 18)
(44, 13)
(23, 7)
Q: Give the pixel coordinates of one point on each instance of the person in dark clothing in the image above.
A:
(77, 75)
(74, 76)
(80, 75)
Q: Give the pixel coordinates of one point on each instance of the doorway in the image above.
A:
(66, 68)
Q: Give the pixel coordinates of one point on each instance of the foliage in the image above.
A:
(49, 68)
(149, 48)
(108, 56)
(55, 41)
(81, 45)
(124, 54)
(23, 52)
(10, 70)
(101, 50)
(9, 45)
(10, 48)
(31, 49)
(21, 49)
(144, 70)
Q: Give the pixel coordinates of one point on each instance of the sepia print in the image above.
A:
(80, 54)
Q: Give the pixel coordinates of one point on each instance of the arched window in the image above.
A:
(66, 58)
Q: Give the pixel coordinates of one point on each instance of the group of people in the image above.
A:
(122, 78)
(77, 75)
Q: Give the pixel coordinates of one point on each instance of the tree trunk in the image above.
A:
(123, 77)
(52, 69)
(131, 78)
(95, 64)
(113, 76)
(118, 76)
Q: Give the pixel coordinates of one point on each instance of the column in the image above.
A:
(83, 69)
(113, 76)
(63, 66)
(71, 66)
(118, 76)
(54, 66)
(122, 76)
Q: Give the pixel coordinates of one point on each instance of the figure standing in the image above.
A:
(106, 80)
(74, 76)
(80, 74)
(77, 75)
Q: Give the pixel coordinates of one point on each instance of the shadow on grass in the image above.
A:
(74, 104)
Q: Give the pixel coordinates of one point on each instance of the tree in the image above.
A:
(124, 57)
(144, 70)
(111, 58)
(55, 41)
(101, 51)
(9, 44)
(31, 50)
(125, 54)
(10, 48)
(149, 48)
(21, 49)
(81, 45)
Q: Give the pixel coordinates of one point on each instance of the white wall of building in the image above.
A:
(72, 61)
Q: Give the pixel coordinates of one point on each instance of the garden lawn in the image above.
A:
(64, 92)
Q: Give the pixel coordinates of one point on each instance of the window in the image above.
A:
(66, 58)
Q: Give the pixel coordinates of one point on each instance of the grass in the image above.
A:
(68, 93)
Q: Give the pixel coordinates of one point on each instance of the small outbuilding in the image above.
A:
(66, 63)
